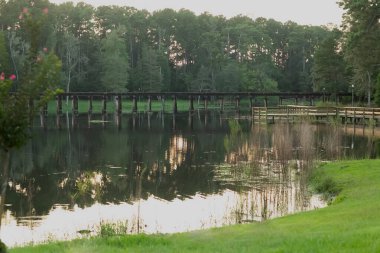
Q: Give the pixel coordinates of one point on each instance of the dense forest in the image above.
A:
(113, 48)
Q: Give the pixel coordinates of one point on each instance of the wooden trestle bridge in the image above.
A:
(206, 97)
(258, 106)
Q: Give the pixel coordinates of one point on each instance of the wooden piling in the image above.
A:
(90, 98)
(74, 105)
(149, 103)
(134, 104)
(237, 99)
(191, 103)
(104, 102)
(59, 104)
(118, 104)
(162, 103)
(175, 107)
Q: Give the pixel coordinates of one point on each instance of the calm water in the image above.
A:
(159, 173)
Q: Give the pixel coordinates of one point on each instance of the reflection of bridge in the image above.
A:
(206, 97)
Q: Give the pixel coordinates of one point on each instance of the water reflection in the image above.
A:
(159, 173)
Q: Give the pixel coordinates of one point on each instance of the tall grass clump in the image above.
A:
(332, 142)
(282, 143)
(324, 184)
(113, 229)
(306, 144)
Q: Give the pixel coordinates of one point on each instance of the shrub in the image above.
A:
(323, 184)
(3, 247)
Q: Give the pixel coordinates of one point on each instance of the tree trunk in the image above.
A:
(4, 183)
(369, 89)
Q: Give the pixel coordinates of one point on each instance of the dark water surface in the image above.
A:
(165, 173)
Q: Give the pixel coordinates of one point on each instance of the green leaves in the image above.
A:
(114, 60)
(362, 35)
(19, 100)
(329, 69)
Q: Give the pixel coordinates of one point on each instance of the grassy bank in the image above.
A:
(350, 224)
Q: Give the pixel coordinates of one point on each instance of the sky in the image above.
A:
(304, 12)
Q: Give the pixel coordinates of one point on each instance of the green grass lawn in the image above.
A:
(350, 224)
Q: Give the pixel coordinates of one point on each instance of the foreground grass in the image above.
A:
(350, 224)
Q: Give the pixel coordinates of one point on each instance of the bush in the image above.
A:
(3, 247)
(323, 184)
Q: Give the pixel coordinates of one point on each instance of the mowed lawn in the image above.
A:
(350, 224)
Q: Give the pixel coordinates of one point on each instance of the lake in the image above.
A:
(164, 173)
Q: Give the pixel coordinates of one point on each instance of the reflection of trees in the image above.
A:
(105, 165)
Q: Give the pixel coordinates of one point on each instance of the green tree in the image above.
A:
(202, 82)
(258, 81)
(149, 72)
(230, 77)
(377, 93)
(114, 59)
(361, 24)
(329, 68)
(42, 73)
(4, 55)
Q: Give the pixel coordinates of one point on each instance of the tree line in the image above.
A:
(120, 48)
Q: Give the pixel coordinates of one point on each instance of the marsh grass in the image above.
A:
(332, 142)
(306, 142)
(113, 229)
(283, 143)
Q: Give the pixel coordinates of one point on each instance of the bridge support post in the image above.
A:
(221, 104)
(251, 102)
(43, 116)
(134, 104)
(118, 104)
(175, 108)
(149, 104)
(59, 104)
(74, 105)
(162, 103)
(237, 100)
(205, 98)
(191, 103)
(265, 102)
(45, 110)
(90, 98)
(104, 102)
